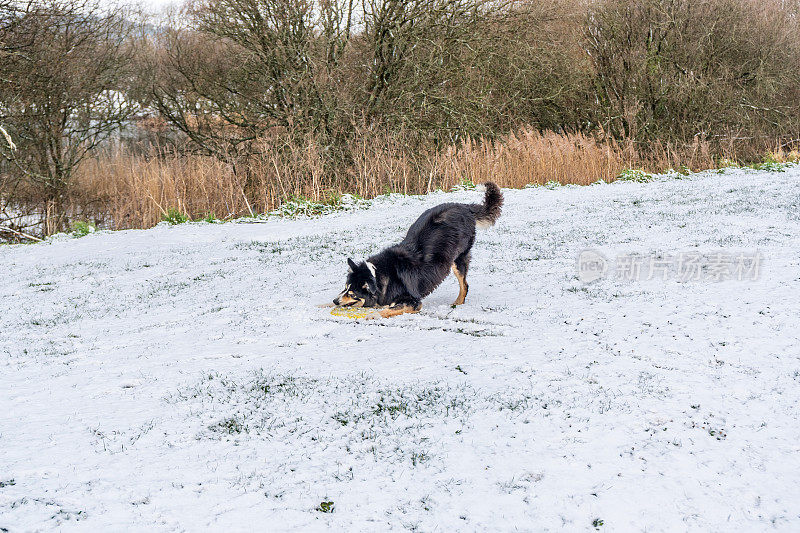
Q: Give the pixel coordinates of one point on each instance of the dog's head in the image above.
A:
(360, 289)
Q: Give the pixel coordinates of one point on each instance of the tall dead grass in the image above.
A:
(530, 157)
(123, 190)
(134, 191)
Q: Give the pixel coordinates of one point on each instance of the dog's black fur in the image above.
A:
(402, 275)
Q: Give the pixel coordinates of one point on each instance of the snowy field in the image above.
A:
(182, 379)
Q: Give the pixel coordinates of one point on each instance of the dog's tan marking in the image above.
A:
(397, 311)
(346, 299)
(391, 311)
(462, 283)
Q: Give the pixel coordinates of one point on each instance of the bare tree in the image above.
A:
(466, 68)
(397, 32)
(245, 67)
(62, 93)
(673, 69)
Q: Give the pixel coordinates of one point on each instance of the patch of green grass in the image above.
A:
(409, 403)
(326, 507)
(262, 247)
(597, 522)
(334, 198)
(282, 384)
(552, 184)
(635, 174)
(299, 206)
(342, 418)
(162, 289)
(394, 407)
(174, 216)
(418, 458)
(64, 514)
(680, 173)
(771, 163)
(211, 218)
(770, 166)
(42, 287)
(724, 164)
(231, 425)
(82, 229)
(367, 417)
(463, 185)
(473, 332)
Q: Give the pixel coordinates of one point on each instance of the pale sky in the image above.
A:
(157, 4)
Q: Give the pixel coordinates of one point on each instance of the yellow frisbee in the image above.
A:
(352, 312)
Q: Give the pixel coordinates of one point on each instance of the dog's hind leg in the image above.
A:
(459, 269)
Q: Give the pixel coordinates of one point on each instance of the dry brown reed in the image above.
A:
(136, 191)
(530, 157)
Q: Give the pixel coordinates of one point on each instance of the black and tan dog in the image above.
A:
(439, 241)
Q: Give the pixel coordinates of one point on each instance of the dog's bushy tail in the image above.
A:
(488, 213)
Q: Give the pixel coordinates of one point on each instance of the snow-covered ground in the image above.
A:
(182, 379)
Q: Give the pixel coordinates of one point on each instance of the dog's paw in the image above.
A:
(409, 306)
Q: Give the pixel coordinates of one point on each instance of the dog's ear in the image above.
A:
(371, 268)
(351, 264)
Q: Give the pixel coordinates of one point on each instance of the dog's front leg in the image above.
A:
(398, 308)
(396, 311)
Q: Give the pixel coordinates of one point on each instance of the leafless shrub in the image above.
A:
(61, 95)
(675, 69)
(244, 68)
